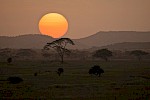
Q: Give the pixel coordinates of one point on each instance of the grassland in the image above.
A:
(122, 80)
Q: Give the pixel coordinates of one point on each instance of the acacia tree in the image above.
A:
(60, 47)
(103, 53)
(139, 54)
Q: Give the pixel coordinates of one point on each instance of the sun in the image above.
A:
(54, 25)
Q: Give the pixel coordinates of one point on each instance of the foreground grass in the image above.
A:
(122, 80)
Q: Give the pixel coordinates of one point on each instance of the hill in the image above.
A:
(125, 46)
(106, 38)
(99, 39)
(25, 41)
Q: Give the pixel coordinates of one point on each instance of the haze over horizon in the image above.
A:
(137, 32)
(85, 17)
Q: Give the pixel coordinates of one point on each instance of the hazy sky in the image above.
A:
(85, 17)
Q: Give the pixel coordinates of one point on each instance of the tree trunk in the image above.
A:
(62, 59)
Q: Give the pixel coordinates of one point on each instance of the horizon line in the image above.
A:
(63, 36)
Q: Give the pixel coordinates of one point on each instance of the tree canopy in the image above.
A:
(138, 53)
(103, 53)
(60, 47)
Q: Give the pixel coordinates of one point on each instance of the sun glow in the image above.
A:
(53, 24)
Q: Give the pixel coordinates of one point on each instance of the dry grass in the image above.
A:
(121, 80)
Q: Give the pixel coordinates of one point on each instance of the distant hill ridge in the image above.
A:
(33, 41)
(111, 37)
(125, 46)
(37, 41)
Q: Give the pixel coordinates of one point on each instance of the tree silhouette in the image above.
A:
(139, 54)
(103, 53)
(60, 47)
(96, 70)
(9, 60)
(60, 71)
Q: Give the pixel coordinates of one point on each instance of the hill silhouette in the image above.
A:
(106, 38)
(35, 41)
(99, 39)
(125, 46)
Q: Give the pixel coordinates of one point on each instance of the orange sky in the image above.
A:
(86, 17)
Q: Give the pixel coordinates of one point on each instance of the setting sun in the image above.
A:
(53, 24)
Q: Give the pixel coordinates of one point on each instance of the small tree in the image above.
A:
(9, 60)
(103, 53)
(60, 47)
(96, 70)
(139, 54)
(60, 71)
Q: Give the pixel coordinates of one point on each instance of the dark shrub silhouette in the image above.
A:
(9, 60)
(96, 70)
(60, 71)
(14, 80)
(35, 74)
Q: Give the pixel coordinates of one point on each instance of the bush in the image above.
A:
(60, 71)
(35, 74)
(9, 60)
(14, 80)
(96, 70)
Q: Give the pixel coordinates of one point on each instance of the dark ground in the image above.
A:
(122, 80)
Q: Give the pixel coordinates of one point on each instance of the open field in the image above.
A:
(122, 80)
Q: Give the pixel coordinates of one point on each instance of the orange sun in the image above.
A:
(53, 24)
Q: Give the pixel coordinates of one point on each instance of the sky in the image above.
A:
(85, 17)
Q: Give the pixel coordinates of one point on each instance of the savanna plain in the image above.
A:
(121, 80)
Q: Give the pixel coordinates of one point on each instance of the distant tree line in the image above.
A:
(54, 53)
(139, 54)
